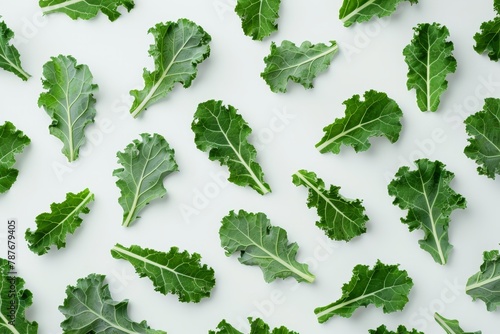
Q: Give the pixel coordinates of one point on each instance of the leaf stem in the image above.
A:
(263, 189)
(480, 284)
(331, 49)
(75, 211)
(9, 326)
(25, 74)
(128, 220)
(308, 278)
(140, 108)
(443, 324)
(126, 252)
(322, 147)
(356, 11)
(336, 307)
(433, 222)
(428, 73)
(46, 10)
(321, 194)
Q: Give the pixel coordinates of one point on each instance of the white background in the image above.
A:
(370, 58)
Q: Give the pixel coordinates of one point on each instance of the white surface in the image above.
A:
(370, 58)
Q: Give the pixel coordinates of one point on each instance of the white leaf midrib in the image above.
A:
(100, 316)
(480, 284)
(338, 306)
(133, 207)
(155, 87)
(444, 325)
(431, 216)
(260, 13)
(308, 278)
(84, 202)
(69, 117)
(155, 264)
(68, 3)
(428, 73)
(330, 49)
(8, 325)
(262, 187)
(357, 10)
(15, 66)
(483, 134)
(320, 193)
(345, 132)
